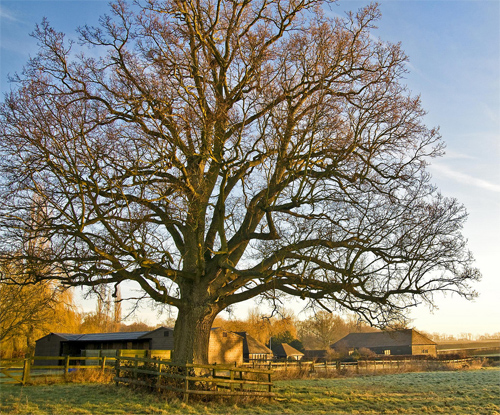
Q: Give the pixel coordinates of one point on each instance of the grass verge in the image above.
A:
(459, 392)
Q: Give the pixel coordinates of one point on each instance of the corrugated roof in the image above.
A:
(67, 336)
(383, 339)
(96, 337)
(100, 337)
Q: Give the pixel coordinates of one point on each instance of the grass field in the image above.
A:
(453, 392)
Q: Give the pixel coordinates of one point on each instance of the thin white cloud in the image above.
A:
(492, 114)
(450, 154)
(5, 14)
(464, 178)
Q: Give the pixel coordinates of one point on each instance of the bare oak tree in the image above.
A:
(215, 151)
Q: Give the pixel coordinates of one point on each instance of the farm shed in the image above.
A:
(65, 344)
(285, 351)
(254, 349)
(52, 345)
(224, 347)
(397, 342)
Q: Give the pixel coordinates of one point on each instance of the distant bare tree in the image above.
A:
(215, 151)
(323, 329)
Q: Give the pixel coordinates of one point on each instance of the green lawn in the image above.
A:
(462, 392)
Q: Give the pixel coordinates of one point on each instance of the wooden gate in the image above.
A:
(19, 373)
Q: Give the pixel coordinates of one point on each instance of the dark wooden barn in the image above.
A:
(65, 344)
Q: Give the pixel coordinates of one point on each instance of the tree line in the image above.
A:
(28, 312)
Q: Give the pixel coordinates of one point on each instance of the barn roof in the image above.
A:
(127, 336)
(103, 337)
(285, 350)
(383, 339)
(252, 346)
(65, 336)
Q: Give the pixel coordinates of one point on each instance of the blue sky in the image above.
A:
(454, 50)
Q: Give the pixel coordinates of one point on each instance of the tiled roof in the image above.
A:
(383, 339)
(252, 346)
(285, 350)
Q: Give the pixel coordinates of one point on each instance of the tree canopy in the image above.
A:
(214, 151)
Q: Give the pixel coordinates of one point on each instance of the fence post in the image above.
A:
(186, 386)
(117, 365)
(26, 370)
(66, 366)
(158, 380)
(103, 364)
(270, 386)
(136, 366)
(214, 385)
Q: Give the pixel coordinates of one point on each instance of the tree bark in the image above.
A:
(192, 332)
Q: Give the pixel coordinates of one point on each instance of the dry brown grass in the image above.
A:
(79, 376)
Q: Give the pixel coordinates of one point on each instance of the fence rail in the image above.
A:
(156, 373)
(23, 370)
(253, 379)
(190, 379)
(360, 366)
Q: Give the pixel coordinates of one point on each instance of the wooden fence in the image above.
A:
(252, 380)
(154, 373)
(190, 379)
(23, 370)
(360, 366)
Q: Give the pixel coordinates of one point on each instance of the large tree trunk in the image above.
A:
(192, 333)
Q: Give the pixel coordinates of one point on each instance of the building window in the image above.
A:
(387, 352)
(425, 351)
(166, 333)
